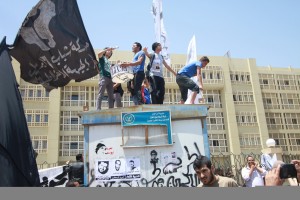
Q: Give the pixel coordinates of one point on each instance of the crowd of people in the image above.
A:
(147, 86)
(252, 174)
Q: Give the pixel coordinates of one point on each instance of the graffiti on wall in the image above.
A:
(166, 175)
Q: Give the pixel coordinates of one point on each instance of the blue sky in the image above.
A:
(267, 30)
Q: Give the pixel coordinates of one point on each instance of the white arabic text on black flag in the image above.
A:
(52, 45)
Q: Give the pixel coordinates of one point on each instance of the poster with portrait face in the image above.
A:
(133, 169)
(117, 170)
(102, 172)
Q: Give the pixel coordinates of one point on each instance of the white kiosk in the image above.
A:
(144, 146)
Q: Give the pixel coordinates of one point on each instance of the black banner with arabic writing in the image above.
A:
(52, 45)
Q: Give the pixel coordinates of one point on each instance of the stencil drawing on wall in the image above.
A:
(102, 149)
(169, 162)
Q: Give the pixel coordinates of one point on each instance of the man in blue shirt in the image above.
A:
(138, 64)
(184, 81)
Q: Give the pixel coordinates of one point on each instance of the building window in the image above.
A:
(37, 118)
(218, 143)
(234, 98)
(33, 93)
(210, 99)
(265, 82)
(294, 139)
(75, 96)
(46, 118)
(248, 77)
(71, 145)
(246, 119)
(243, 97)
(213, 97)
(39, 93)
(242, 77)
(280, 140)
(290, 101)
(74, 145)
(40, 144)
(213, 121)
(69, 121)
(29, 118)
(215, 143)
(272, 121)
(270, 101)
(74, 120)
(294, 121)
(249, 141)
(286, 83)
(30, 93)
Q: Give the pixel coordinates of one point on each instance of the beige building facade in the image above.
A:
(248, 105)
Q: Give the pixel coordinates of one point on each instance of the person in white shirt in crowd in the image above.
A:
(252, 173)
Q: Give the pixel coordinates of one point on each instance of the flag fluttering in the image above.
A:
(192, 51)
(52, 45)
(160, 32)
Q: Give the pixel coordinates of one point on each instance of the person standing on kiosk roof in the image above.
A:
(184, 81)
(155, 69)
(105, 81)
(138, 63)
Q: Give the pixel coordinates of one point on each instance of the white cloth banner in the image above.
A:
(160, 32)
(192, 52)
(54, 177)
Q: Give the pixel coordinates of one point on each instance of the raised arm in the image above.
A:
(138, 62)
(145, 49)
(101, 53)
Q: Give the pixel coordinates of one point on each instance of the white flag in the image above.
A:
(191, 52)
(160, 32)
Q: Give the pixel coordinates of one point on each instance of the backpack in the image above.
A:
(150, 65)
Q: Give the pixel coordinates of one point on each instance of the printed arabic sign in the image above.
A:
(162, 118)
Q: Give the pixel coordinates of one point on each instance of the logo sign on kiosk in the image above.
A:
(162, 118)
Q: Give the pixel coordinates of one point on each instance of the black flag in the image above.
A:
(17, 161)
(52, 45)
